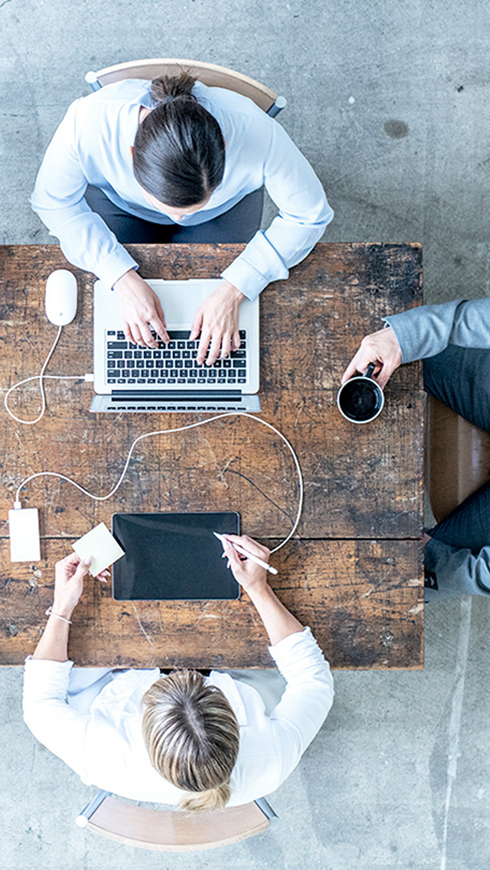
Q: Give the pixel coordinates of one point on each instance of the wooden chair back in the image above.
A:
(457, 458)
(172, 831)
(209, 73)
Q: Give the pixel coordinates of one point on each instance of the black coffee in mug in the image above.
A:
(361, 399)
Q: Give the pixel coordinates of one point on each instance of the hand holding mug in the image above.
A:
(382, 350)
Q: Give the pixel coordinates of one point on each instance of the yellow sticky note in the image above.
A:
(101, 545)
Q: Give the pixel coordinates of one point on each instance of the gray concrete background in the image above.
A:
(389, 101)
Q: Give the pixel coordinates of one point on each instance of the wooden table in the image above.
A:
(354, 571)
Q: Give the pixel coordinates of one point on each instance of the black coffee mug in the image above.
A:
(361, 398)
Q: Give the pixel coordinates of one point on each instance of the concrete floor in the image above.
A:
(389, 101)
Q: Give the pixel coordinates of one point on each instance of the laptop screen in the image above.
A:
(171, 556)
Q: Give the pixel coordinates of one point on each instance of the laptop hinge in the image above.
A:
(175, 395)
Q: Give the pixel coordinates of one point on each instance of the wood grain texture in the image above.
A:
(361, 482)
(362, 599)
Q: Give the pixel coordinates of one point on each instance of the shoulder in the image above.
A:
(231, 109)
(228, 101)
(127, 90)
(247, 130)
(105, 115)
(110, 99)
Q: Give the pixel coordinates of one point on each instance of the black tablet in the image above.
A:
(173, 556)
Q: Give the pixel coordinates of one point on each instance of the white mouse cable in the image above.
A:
(40, 377)
(18, 505)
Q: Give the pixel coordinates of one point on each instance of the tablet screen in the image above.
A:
(173, 556)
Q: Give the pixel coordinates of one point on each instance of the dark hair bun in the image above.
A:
(168, 88)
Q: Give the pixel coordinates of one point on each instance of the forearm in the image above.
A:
(278, 621)
(304, 213)
(426, 331)
(84, 237)
(270, 254)
(54, 641)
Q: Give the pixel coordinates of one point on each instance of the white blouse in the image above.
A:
(105, 745)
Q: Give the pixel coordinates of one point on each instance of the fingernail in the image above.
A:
(87, 561)
(228, 565)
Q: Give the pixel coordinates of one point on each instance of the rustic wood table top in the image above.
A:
(353, 572)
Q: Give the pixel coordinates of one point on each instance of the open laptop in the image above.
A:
(134, 379)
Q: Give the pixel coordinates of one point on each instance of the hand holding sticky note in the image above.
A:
(101, 545)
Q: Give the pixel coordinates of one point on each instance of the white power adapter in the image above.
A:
(25, 545)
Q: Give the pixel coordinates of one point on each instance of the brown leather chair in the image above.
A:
(173, 830)
(208, 73)
(457, 458)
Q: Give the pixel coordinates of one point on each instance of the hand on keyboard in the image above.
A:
(216, 321)
(139, 307)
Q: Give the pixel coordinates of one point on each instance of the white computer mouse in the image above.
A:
(61, 297)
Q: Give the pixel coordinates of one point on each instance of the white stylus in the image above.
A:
(246, 553)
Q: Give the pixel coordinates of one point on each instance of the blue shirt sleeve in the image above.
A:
(303, 216)
(59, 200)
(428, 330)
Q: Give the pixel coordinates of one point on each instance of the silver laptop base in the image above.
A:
(167, 405)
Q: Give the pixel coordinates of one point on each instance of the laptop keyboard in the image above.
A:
(172, 363)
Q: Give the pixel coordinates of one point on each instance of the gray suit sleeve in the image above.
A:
(428, 330)
(457, 571)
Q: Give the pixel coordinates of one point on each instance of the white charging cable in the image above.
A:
(41, 377)
(18, 505)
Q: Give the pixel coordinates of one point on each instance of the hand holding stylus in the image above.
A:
(248, 560)
(248, 571)
(244, 552)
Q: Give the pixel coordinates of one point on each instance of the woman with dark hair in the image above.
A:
(199, 742)
(176, 161)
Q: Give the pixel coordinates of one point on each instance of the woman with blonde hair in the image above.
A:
(199, 742)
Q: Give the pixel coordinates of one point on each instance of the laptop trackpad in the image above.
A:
(181, 299)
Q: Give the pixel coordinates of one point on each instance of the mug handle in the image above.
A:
(369, 371)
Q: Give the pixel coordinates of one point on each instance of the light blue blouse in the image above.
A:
(92, 146)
